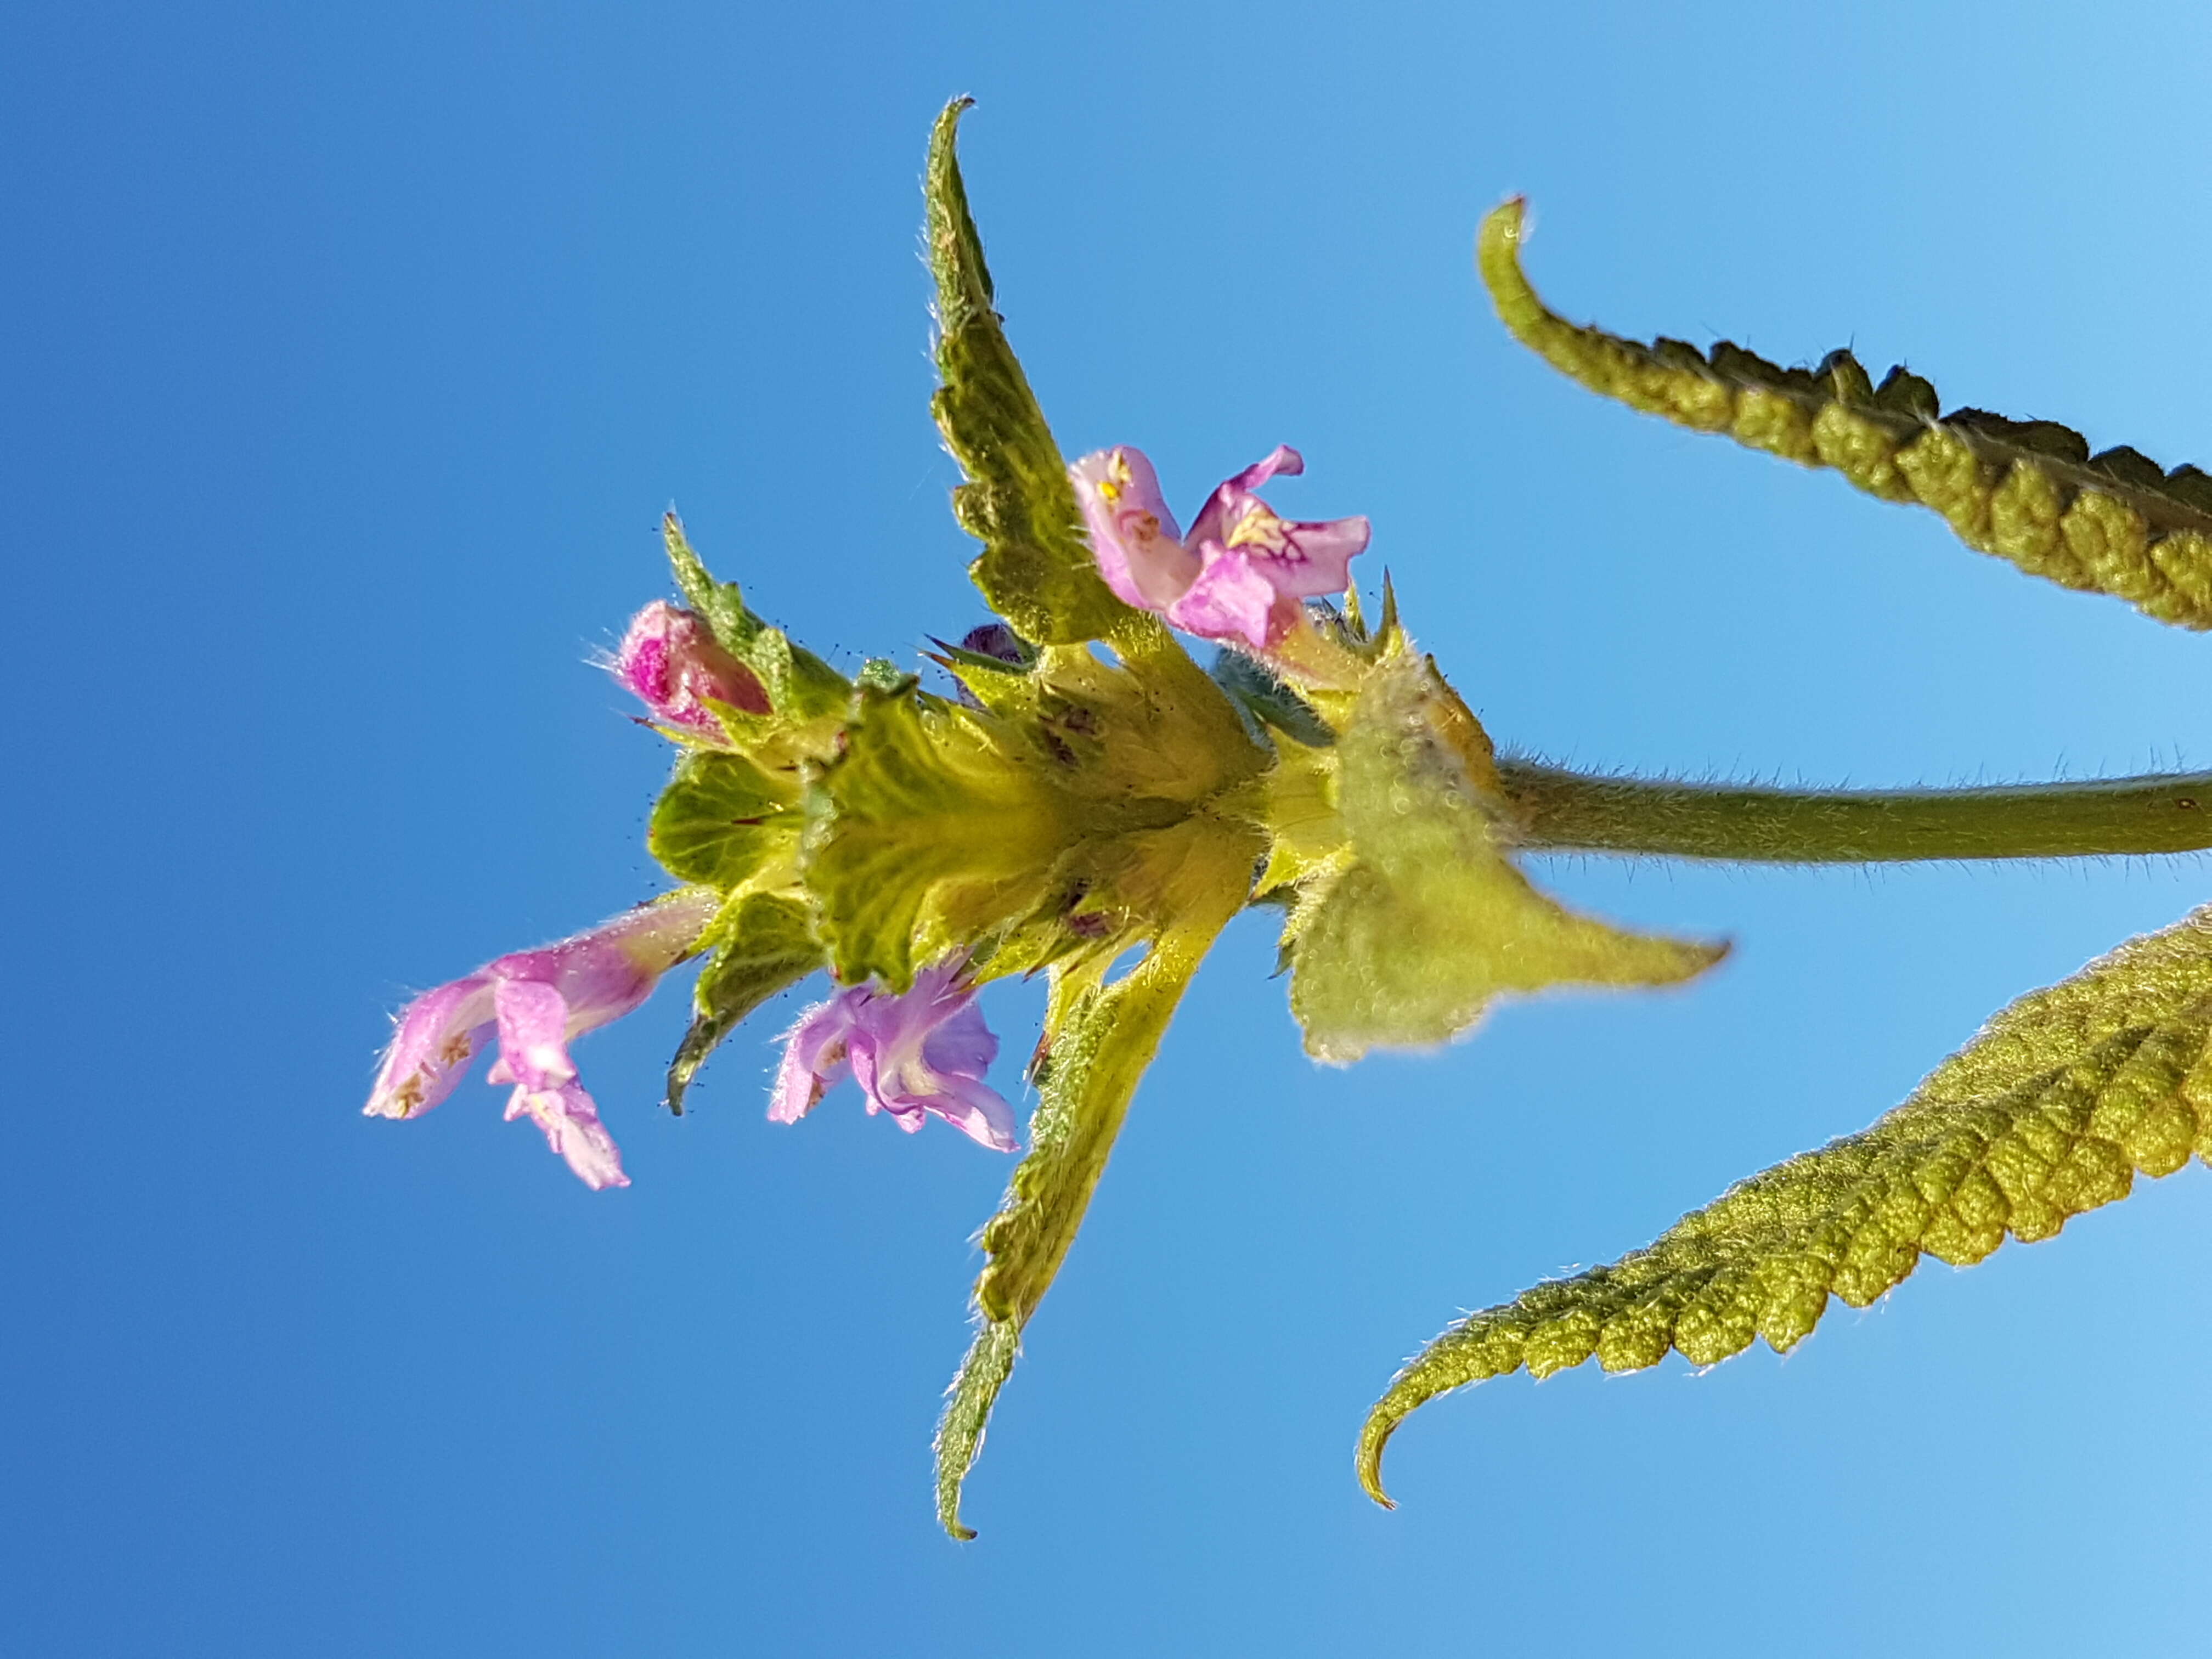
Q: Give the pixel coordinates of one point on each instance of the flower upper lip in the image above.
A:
(1240, 573)
(536, 1002)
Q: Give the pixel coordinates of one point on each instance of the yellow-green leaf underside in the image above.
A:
(930, 831)
(1431, 921)
(1099, 1039)
(719, 820)
(2029, 491)
(2049, 1111)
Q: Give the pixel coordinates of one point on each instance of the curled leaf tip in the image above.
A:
(983, 1372)
(1371, 1468)
(1503, 223)
(1383, 1420)
(948, 120)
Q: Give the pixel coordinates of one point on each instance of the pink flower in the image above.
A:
(537, 1001)
(921, 1053)
(669, 661)
(1241, 572)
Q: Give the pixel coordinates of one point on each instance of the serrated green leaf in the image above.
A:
(2049, 1112)
(1099, 1041)
(721, 604)
(808, 700)
(2029, 491)
(1035, 568)
(983, 1371)
(1428, 920)
(931, 830)
(1052, 821)
(760, 943)
(719, 820)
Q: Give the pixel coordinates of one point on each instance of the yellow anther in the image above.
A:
(1116, 481)
(1260, 528)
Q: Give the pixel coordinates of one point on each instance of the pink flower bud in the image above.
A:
(669, 661)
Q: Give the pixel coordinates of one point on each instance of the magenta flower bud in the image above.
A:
(917, 1055)
(1240, 573)
(537, 1002)
(669, 661)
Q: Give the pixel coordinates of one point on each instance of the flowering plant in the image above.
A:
(1091, 795)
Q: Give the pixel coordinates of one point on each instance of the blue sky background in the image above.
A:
(351, 353)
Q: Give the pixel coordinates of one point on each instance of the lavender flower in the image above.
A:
(537, 1001)
(1241, 572)
(922, 1054)
(669, 661)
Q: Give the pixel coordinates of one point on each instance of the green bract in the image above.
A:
(760, 943)
(1099, 1040)
(720, 819)
(1091, 797)
(1406, 937)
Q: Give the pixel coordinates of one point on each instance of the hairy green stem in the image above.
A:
(1570, 812)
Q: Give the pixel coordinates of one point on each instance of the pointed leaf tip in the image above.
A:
(1097, 1042)
(1373, 1438)
(1035, 568)
(759, 943)
(2053, 1109)
(968, 1402)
